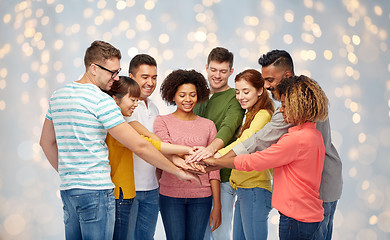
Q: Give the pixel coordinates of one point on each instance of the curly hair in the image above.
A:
(305, 101)
(124, 86)
(99, 52)
(254, 78)
(277, 58)
(179, 77)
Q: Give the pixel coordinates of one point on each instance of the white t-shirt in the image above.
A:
(144, 173)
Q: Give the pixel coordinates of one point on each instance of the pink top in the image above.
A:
(297, 159)
(200, 132)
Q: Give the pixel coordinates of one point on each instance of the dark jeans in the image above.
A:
(122, 216)
(185, 218)
(291, 229)
(326, 226)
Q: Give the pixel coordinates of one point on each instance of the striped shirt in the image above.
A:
(82, 114)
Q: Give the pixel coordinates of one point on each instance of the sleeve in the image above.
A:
(48, 114)
(232, 121)
(155, 143)
(265, 137)
(108, 113)
(282, 153)
(161, 129)
(261, 119)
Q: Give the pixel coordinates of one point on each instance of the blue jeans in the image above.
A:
(326, 226)
(122, 215)
(88, 214)
(291, 229)
(185, 218)
(223, 232)
(143, 215)
(251, 213)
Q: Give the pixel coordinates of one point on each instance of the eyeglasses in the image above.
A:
(113, 73)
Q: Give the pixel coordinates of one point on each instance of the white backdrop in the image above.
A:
(344, 45)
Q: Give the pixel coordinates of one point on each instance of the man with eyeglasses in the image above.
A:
(79, 116)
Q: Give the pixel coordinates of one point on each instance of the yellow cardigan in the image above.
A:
(122, 168)
(243, 179)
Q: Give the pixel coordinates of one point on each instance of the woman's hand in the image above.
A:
(199, 154)
(215, 217)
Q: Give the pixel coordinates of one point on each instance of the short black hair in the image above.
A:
(141, 59)
(277, 58)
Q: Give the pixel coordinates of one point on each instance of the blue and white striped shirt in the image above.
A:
(82, 114)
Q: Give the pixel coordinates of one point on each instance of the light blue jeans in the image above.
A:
(326, 226)
(223, 232)
(251, 214)
(88, 214)
(143, 215)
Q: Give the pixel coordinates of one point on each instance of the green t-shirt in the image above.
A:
(225, 111)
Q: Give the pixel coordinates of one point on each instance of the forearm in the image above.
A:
(167, 148)
(215, 145)
(225, 162)
(126, 135)
(216, 191)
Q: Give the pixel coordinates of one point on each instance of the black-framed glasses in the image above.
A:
(113, 73)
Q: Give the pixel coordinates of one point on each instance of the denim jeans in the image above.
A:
(326, 226)
(291, 229)
(143, 215)
(88, 214)
(122, 215)
(223, 232)
(185, 218)
(251, 213)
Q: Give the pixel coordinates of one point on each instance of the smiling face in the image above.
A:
(272, 77)
(246, 94)
(218, 74)
(103, 78)
(186, 97)
(146, 77)
(127, 104)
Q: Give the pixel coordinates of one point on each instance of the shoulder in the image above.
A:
(263, 113)
(204, 120)
(164, 118)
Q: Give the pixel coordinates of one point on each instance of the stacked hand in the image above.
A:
(196, 168)
(199, 154)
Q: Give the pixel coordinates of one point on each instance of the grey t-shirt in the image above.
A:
(331, 179)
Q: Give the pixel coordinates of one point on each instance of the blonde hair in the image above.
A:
(305, 101)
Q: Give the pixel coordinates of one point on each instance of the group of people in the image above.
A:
(222, 150)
